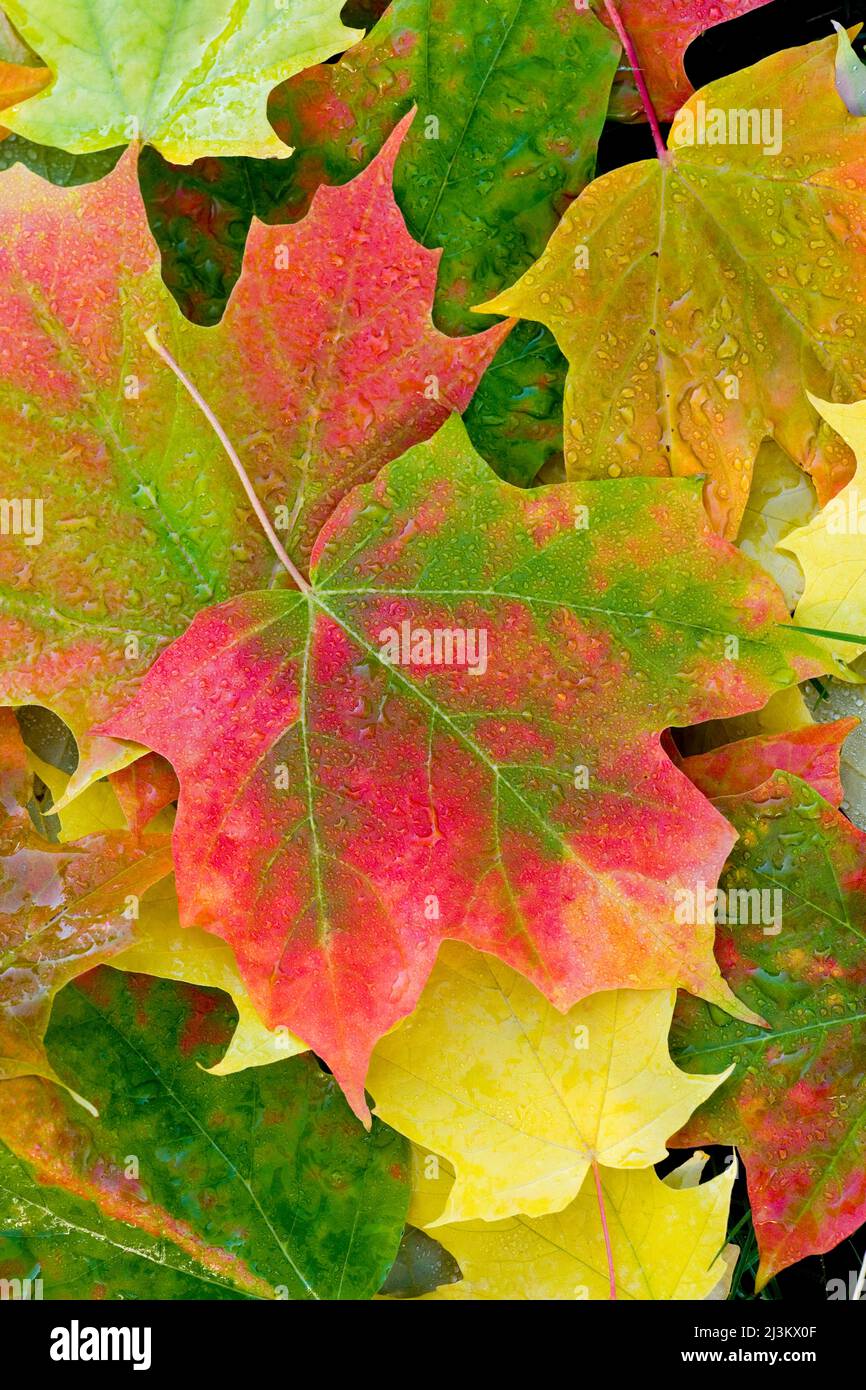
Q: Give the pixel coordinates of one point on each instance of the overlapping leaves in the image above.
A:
(188, 76)
(831, 548)
(63, 908)
(145, 521)
(345, 803)
(522, 1100)
(564, 1256)
(661, 31)
(459, 726)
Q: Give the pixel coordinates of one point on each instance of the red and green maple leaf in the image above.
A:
(660, 31)
(325, 367)
(795, 1103)
(341, 814)
(811, 753)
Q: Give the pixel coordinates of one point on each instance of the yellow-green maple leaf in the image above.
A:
(666, 1238)
(831, 549)
(523, 1099)
(700, 296)
(191, 77)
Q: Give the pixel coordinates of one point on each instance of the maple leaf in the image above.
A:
(524, 1101)
(781, 499)
(143, 789)
(841, 699)
(831, 549)
(342, 810)
(511, 103)
(811, 753)
(62, 909)
(665, 1238)
(794, 1104)
(700, 296)
(660, 31)
(301, 1204)
(190, 77)
(322, 371)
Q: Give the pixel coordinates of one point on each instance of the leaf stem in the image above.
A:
(288, 564)
(631, 55)
(858, 638)
(611, 1272)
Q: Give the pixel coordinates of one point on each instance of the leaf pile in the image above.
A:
(412, 821)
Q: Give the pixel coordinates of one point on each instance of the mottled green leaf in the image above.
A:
(259, 1185)
(795, 1104)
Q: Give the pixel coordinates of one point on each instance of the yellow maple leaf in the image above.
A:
(666, 1241)
(522, 1099)
(831, 549)
(782, 498)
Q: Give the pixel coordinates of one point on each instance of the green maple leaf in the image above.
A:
(260, 1185)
